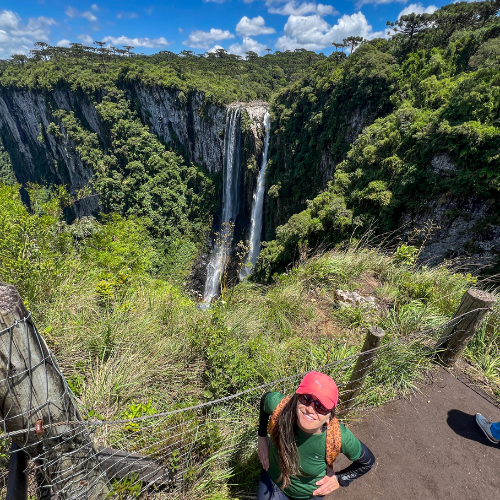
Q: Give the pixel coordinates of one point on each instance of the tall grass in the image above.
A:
(149, 342)
(131, 343)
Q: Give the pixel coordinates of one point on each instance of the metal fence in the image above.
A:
(58, 451)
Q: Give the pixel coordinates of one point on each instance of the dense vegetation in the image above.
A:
(131, 342)
(108, 292)
(435, 87)
(222, 76)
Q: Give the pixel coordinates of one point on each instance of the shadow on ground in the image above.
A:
(428, 449)
(465, 425)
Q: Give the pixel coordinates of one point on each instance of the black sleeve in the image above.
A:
(263, 417)
(359, 467)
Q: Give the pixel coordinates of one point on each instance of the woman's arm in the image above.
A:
(359, 467)
(263, 439)
(263, 417)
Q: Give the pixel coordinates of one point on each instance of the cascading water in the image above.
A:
(230, 202)
(257, 208)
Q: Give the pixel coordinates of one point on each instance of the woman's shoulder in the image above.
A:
(272, 400)
(351, 447)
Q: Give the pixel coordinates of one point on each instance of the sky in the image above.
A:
(198, 25)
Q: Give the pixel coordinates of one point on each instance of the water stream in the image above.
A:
(257, 208)
(230, 203)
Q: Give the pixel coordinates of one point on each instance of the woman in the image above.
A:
(305, 438)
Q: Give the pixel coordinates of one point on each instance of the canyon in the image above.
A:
(230, 140)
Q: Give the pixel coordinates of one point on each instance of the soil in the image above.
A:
(428, 446)
(324, 324)
(367, 283)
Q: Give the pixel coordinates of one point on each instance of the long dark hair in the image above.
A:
(283, 435)
(285, 440)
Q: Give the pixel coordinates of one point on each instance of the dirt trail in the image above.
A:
(429, 447)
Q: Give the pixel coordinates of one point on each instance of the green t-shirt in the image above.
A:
(312, 450)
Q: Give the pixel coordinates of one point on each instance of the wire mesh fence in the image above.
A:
(181, 453)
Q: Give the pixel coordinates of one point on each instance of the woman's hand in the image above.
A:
(263, 446)
(328, 484)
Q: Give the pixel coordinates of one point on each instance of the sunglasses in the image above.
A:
(307, 400)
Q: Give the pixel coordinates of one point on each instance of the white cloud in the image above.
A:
(19, 38)
(40, 23)
(417, 8)
(72, 12)
(63, 43)
(314, 33)
(253, 27)
(86, 39)
(360, 3)
(215, 48)
(94, 7)
(9, 20)
(248, 44)
(127, 15)
(137, 42)
(203, 39)
(180, 30)
(295, 9)
(214, 1)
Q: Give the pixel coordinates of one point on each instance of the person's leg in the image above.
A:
(268, 490)
(491, 429)
(495, 430)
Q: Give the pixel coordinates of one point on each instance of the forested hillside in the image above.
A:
(401, 128)
(135, 135)
(115, 173)
(431, 94)
(223, 77)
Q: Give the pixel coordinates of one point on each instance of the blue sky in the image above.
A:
(197, 25)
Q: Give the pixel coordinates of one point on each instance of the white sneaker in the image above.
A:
(485, 425)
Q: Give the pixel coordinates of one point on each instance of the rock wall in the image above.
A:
(185, 122)
(454, 228)
(451, 227)
(188, 124)
(36, 156)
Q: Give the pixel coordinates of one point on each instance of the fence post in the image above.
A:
(34, 397)
(474, 306)
(17, 481)
(363, 364)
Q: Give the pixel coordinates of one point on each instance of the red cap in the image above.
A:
(322, 387)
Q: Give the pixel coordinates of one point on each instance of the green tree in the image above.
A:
(352, 42)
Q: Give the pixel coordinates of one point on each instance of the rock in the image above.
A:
(356, 122)
(455, 228)
(441, 164)
(354, 299)
(191, 123)
(23, 114)
(327, 166)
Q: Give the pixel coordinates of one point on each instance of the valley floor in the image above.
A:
(429, 446)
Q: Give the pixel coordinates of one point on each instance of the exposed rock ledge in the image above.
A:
(457, 228)
(256, 111)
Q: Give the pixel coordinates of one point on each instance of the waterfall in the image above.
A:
(257, 207)
(230, 202)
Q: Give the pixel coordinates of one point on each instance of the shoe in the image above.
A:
(485, 425)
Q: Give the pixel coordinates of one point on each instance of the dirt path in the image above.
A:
(429, 447)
